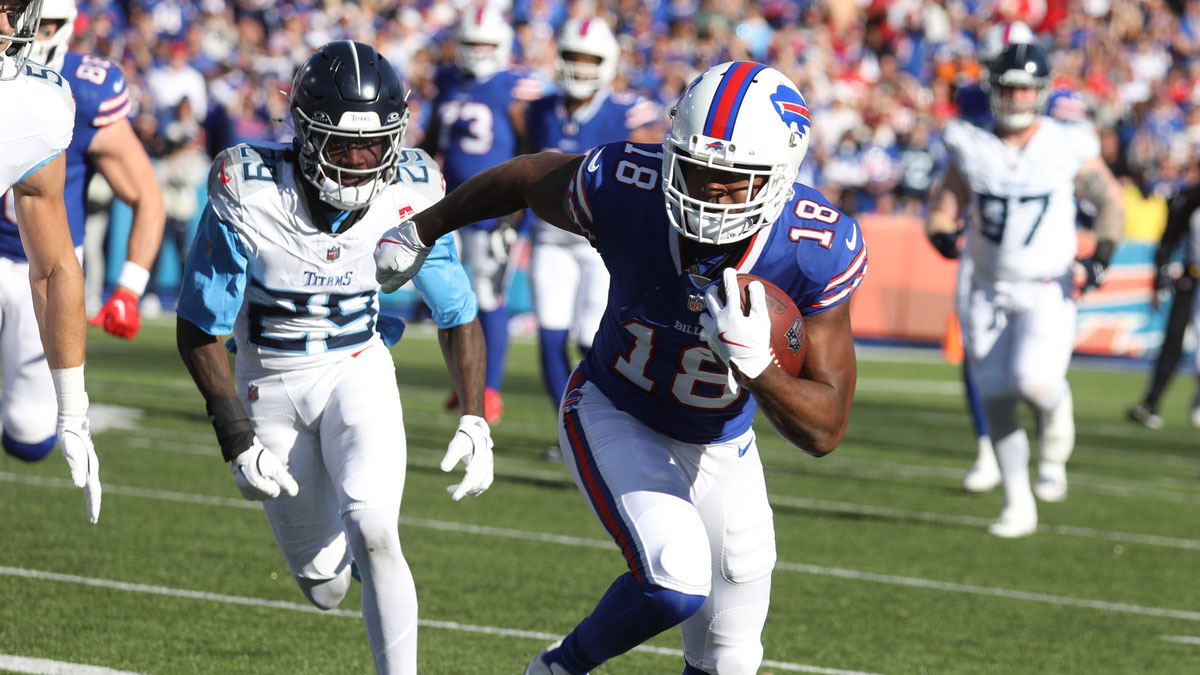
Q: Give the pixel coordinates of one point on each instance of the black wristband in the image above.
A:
(234, 431)
(1103, 252)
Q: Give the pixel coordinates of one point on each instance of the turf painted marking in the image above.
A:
(297, 607)
(1181, 639)
(21, 664)
(582, 542)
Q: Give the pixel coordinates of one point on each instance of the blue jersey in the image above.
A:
(101, 99)
(972, 102)
(474, 130)
(609, 116)
(648, 357)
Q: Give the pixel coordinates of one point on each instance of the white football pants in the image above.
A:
(690, 517)
(339, 430)
(570, 288)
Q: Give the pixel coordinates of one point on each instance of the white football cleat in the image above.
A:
(539, 666)
(1015, 522)
(1051, 485)
(984, 476)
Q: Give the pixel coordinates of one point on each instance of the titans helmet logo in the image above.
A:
(789, 104)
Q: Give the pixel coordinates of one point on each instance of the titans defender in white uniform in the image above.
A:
(1016, 183)
(570, 284)
(655, 424)
(283, 259)
(36, 123)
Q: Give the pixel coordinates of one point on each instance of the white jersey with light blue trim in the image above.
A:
(1021, 218)
(648, 357)
(295, 295)
(36, 122)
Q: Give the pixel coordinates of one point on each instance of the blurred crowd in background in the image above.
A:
(879, 76)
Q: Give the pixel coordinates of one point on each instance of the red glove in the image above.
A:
(119, 315)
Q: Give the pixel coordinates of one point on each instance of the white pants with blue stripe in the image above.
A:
(690, 517)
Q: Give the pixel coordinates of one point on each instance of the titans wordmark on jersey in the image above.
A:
(1021, 219)
(295, 295)
(101, 99)
(648, 357)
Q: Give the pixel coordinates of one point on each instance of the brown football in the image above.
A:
(788, 344)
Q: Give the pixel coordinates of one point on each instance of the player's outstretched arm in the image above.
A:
(258, 473)
(539, 182)
(948, 198)
(466, 358)
(812, 411)
(57, 283)
(127, 168)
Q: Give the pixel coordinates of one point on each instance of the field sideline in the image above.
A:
(885, 565)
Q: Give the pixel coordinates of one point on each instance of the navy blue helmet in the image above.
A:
(1019, 66)
(350, 111)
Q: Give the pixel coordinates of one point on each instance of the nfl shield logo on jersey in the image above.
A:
(252, 392)
(793, 335)
(333, 253)
(696, 302)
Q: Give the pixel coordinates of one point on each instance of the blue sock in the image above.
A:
(556, 369)
(29, 452)
(974, 402)
(495, 336)
(689, 669)
(630, 613)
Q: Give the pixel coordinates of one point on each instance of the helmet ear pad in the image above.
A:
(346, 98)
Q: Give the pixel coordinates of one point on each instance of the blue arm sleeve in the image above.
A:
(444, 285)
(214, 278)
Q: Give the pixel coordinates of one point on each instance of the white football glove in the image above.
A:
(75, 439)
(260, 475)
(398, 256)
(472, 443)
(737, 339)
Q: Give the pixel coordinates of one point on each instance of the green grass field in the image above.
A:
(884, 564)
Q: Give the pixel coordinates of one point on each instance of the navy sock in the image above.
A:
(689, 669)
(29, 452)
(495, 336)
(555, 365)
(630, 613)
(974, 402)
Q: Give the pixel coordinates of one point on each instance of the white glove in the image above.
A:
(75, 439)
(737, 339)
(473, 444)
(260, 475)
(398, 256)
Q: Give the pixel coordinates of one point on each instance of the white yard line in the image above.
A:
(1181, 639)
(583, 542)
(30, 666)
(297, 607)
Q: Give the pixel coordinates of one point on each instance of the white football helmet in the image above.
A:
(744, 118)
(1002, 35)
(52, 51)
(17, 40)
(593, 37)
(483, 42)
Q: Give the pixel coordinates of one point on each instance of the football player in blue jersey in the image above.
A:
(47, 325)
(655, 423)
(283, 259)
(472, 127)
(103, 139)
(569, 282)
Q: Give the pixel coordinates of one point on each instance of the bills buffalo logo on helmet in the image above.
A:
(791, 108)
(715, 145)
(795, 335)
